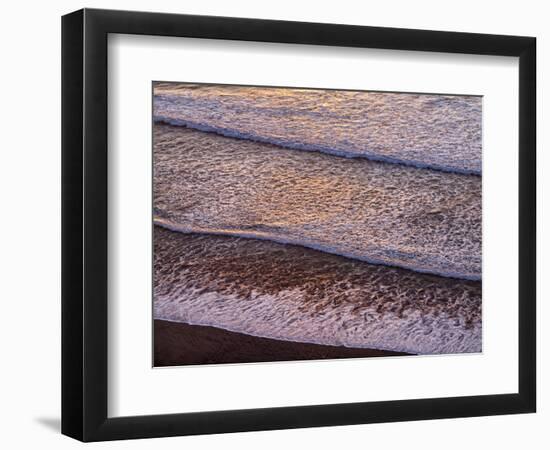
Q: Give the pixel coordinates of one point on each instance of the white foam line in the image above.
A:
(303, 341)
(227, 132)
(271, 237)
(269, 319)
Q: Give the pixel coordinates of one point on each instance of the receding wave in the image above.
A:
(281, 239)
(428, 131)
(234, 133)
(421, 220)
(286, 292)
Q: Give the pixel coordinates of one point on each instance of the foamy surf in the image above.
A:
(338, 218)
(269, 290)
(428, 131)
(417, 219)
(294, 145)
(263, 235)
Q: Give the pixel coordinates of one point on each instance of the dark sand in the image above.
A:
(179, 344)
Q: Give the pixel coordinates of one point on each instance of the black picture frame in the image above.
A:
(84, 224)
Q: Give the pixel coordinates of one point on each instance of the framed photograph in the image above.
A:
(273, 225)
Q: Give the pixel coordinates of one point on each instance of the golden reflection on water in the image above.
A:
(433, 130)
(258, 187)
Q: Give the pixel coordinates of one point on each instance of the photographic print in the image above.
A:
(304, 224)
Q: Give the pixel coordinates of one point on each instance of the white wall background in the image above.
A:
(30, 229)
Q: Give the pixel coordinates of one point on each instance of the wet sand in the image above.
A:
(179, 344)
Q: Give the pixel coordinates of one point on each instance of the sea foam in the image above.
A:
(422, 220)
(284, 292)
(428, 131)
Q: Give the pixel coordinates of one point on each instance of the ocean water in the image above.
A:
(334, 217)
(438, 131)
(287, 292)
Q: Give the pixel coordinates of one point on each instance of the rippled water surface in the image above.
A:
(287, 292)
(424, 220)
(334, 217)
(438, 131)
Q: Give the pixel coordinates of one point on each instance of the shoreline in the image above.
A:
(294, 294)
(180, 344)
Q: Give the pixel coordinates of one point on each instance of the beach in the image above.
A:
(180, 344)
(295, 224)
(293, 293)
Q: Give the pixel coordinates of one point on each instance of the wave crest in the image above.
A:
(334, 250)
(294, 145)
